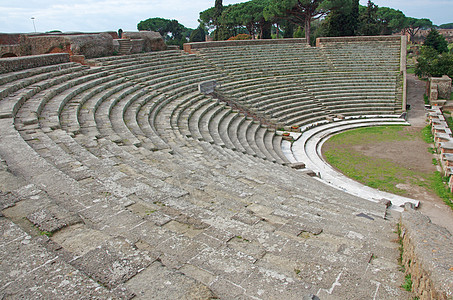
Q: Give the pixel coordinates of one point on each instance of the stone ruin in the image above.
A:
(438, 88)
(80, 45)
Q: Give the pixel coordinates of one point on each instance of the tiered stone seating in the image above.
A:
(282, 99)
(288, 91)
(355, 93)
(361, 55)
(200, 219)
(251, 61)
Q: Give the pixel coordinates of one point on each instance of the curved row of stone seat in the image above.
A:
(283, 99)
(298, 100)
(202, 119)
(245, 227)
(12, 82)
(170, 84)
(253, 61)
(153, 108)
(348, 93)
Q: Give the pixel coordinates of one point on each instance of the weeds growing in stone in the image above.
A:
(407, 285)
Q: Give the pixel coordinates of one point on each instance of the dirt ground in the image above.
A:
(414, 155)
(431, 205)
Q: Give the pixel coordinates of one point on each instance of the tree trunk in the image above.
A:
(307, 29)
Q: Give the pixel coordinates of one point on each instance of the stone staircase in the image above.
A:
(125, 46)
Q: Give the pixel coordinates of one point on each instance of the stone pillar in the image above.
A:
(439, 88)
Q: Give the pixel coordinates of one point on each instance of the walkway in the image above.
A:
(435, 209)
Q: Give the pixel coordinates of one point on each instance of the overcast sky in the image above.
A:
(110, 15)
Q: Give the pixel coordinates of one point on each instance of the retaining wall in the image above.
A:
(427, 256)
(26, 62)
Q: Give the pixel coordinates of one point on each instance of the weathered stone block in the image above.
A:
(152, 41)
(439, 88)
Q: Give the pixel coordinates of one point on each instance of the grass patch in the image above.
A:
(407, 285)
(427, 135)
(439, 186)
(377, 173)
(426, 99)
(410, 70)
(46, 233)
(448, 118)
(371, 135)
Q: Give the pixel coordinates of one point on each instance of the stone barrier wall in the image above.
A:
(26, 62)
(427, 256)
(190, 47)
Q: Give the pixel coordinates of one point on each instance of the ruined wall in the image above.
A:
(89, 45)
(427, 256)
(439, 88)
(152, 41)
(27, 62)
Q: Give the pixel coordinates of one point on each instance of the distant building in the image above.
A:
(421, 35)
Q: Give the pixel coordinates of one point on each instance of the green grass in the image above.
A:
(376, 173)
(426, 99)
(448, 118)
(410, 70)
(437, 183)
(427, 135)
(362, 136)
(407, 285)
(400, 247)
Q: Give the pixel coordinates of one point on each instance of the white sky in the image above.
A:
(110, 15)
